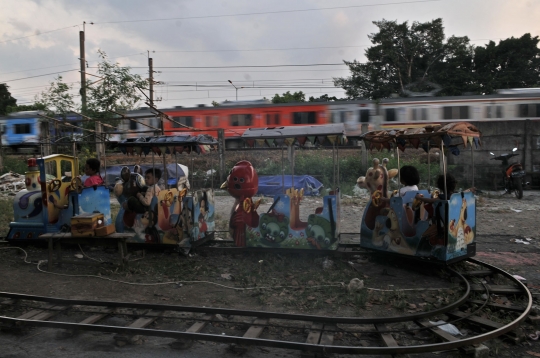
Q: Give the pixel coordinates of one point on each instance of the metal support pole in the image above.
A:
(292, 165)
(333, 166)
(221, 151)
(282, 171)
(337, 160)
(444, 171)
(472, 160)
(429, 166)
(399, 171)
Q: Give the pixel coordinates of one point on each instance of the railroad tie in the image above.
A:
(195, 328)
(89, 320)
(254, 331)
(150, 316)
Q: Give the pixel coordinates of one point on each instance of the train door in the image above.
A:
(271, 119)
(346, 114)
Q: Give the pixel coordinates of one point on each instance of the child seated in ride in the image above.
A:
(91, 169)
(409, 177)
(451, 183)
(140, 203)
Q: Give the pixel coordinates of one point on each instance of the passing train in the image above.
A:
(25, 131)
(235, 117)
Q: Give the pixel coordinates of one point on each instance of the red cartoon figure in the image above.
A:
(242, 183)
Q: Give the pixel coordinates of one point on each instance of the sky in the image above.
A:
(226, 40)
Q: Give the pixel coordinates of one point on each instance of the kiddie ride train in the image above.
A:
(444, 232)
(56, 201)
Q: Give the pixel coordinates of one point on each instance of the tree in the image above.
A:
(323, 98)
(401, 56)
(215, 104)
(513, 63)
(5, 99)
(289, 97)
(25, 107)
(56, 100)
(117, 90)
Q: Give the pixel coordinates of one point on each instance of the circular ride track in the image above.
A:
(376, 335)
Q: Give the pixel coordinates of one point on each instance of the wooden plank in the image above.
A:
(198, 326)
(327, 338)
(486, 323)
(256, 329)
(386, 337)
(145, 321)
(46, 315)
(314, 334)
(34, 312)
(96, 317)
(502, 289)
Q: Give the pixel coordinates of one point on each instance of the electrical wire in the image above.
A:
(40, 33)
(266, 12)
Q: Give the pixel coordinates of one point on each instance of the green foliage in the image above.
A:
(403, 57)
(288, 97)
(6, 215)
(83, 155)
(215, 104)
(25, 107)
(57, 100)
(117, 90)
(6, 100)
(14, 164)
(323, 98)
(513, 63)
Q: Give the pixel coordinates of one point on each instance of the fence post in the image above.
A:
(221, 151)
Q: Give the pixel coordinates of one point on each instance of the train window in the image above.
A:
(456, 112)
(212, 121)
(390, 114)
(132, 125)
(419, 114)
(208, 121)
(22, 128)
(238, 120)
(304, 118)
(364, 115)
(185, 120)
(529, 110)
(494, 112)
(272, 119)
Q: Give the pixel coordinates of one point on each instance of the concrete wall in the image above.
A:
(499, 137)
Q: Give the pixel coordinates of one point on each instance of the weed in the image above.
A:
(6, 214)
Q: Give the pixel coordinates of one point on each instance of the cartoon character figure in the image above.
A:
(203, 216)
(274, 227)
(377, 177)
(319, 232)
(242, 183)
(460, 230)
(392, 239)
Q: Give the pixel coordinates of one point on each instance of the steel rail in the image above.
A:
(248, 313)
(435, 347)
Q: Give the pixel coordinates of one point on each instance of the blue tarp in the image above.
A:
(272, 184)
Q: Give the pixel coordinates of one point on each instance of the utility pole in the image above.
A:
(151, 79)
(83, 70)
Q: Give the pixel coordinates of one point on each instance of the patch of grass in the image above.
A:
(6, 214)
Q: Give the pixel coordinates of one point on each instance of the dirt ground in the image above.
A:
(508, 236)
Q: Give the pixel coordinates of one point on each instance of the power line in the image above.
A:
(265, 12)
(47, 74)
(39, 33)
(266, 49)
(250, 66)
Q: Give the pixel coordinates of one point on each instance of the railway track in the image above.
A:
(311, 334)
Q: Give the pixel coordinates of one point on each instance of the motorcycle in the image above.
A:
(513, 174)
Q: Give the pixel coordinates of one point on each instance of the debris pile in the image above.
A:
(12, 182)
